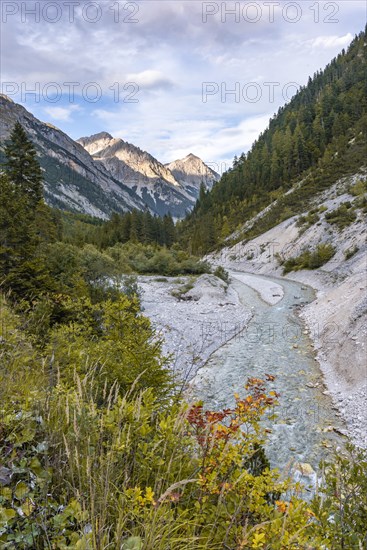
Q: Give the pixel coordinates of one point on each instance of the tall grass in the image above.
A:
(92, 467)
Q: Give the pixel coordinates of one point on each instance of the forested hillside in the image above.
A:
(318, 136)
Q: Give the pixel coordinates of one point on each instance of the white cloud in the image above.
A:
(62, 113)
(150, 79)
(212, 143)
(331, 41)
(170, 53)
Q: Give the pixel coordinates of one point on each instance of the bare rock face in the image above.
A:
(141, 172)
(140, 163)
(166, 188)
(191, 172)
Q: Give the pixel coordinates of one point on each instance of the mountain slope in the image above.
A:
(318, 136)
(98, 175)
(73, 180)
(141, 172)
(296, 206)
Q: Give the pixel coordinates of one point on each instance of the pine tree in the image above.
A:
(22, 167)
(169, 230)
(136, 227)
(10, 241)
(21, 267)
(25, 220)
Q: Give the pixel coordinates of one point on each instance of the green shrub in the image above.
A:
(322, 254)
(149, 259)
(285, 214)
(359, 188)
(301, 220)
(130, 287)
(342, 216)
(310, 259)
(361, 202)
(113, 340)
(221, 273)
(97, 267)
(350, 252)
(341, 508)
(80, 271)
(310, 219)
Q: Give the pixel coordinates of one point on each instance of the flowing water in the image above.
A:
(276, 342)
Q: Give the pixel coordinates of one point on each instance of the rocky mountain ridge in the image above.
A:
(156, 184)
(191, 172)
(98, 175)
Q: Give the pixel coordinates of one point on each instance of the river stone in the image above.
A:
(305, 469)
(5, 475)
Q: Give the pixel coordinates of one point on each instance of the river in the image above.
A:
(276, 342)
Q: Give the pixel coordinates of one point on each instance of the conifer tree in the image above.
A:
(22, 167)
(25, 219)
(169, 230)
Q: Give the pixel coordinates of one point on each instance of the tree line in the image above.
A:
(135, 226)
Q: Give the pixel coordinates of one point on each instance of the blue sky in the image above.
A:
(170, 76)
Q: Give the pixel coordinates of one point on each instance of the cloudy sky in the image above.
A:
(170, 76)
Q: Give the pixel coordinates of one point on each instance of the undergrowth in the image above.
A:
(92, 457)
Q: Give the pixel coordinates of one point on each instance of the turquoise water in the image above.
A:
(275, 342)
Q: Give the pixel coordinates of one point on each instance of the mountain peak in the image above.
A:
(7, 98)
(106, 174)
(95, 137)
(191, 156)
(191, 171)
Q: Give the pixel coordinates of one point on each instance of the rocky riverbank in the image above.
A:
(194, 316)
